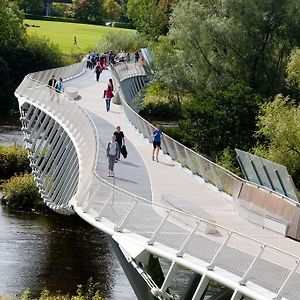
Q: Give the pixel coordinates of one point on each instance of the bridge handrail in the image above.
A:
(222, 179)
(88, 194)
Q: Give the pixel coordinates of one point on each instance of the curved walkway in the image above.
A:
(166, 181)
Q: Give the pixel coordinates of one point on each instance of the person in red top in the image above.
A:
(108, 94)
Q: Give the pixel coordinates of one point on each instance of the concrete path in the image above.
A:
(166, 181)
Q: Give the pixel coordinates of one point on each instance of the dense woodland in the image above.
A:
(227, 71)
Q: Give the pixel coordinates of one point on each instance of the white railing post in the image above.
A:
(121, 224)
(213, 260)
(156, 232)
(187, 241)
(281, 290)
(258, 256)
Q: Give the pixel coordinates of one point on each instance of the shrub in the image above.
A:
(116, 41)
(61, 19)
(13, 160)
(21, 192)
(123, 25)
(160, 110)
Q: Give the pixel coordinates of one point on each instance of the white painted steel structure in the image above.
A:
(63, 145)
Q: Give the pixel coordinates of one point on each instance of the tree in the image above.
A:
(221, 43)
(150, 16)
(12, 31)
(111, 10)
(279, 127)
(32, 6)
(216, 120)
(87, 10)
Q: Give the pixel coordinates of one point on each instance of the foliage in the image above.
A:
(111, 10)
(228, 160)
(216, 120)
(32, 6)
(293, 68)
(225, 42)
(90, 291)
(128, 41)
(62, 19)
(21, 192)
(13, 160)
(279, 125)
(151, 17)
(123, 25)
(90, 10)
(6, 86)
(61, 9)
(11, 27)
(160, 104)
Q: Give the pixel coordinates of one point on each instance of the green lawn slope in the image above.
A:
(88, 36)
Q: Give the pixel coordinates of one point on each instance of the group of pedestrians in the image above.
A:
(56, 85)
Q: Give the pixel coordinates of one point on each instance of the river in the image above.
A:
(52, 251)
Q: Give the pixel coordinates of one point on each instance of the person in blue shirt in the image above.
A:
(157, 134)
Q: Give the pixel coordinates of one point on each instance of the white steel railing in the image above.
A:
(172, 233)
(209, 171)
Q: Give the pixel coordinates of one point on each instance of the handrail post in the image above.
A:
(258, 256)
(211, 265)
(154, 235)
(293, 271)
(119, 227)
(187, 241)
(110, 198)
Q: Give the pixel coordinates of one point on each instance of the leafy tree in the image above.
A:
(87, 10)
(216, 120)
(279, 126)
(111, 10)
(32, 6)
(6, 86)
(220, 43)
(12, 31)
(150, 16)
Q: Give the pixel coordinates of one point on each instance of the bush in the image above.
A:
(61, 19)
(160, 110)
(13, 160)
(21, 192)
(123, 25)
(127, 40)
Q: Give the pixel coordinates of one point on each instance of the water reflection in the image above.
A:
(56, 252)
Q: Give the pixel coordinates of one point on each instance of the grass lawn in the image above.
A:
(88, 36)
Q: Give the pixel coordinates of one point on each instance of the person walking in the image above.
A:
(112, 152)
(120, 139)
(108, 94)
(98, 70)
(111, 84)
(157, 134)
(52, 82)
(136, 56)
(59, 86)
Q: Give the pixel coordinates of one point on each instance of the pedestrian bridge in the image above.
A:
(183, 210)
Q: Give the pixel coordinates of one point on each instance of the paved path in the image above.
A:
(166, 180)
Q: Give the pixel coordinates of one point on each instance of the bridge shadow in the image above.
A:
(128, 163)
(166, 164)
(125, 180)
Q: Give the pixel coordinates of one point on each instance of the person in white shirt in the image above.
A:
(112, 152)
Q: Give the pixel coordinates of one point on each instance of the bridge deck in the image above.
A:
(164, 181)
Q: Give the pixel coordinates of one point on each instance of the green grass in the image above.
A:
(88, 36)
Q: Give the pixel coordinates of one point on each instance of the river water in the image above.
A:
(52, 251)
